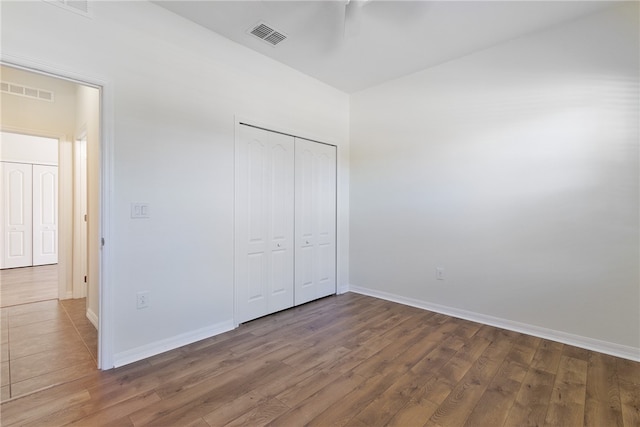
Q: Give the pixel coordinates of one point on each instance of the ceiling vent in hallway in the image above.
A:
(78, 6)
(26, 91)
(267, 33)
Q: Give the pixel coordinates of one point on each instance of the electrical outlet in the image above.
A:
(142, 299)
(439, 273)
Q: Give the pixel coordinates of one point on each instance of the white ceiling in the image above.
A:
(393, 38)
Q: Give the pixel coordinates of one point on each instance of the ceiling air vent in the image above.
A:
(78, 6)
(267, 34)
(26, 91)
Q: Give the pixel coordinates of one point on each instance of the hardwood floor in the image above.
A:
(44, 344)
(28, 284)
(356, 361)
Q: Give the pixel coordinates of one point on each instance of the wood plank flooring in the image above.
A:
(28, 284)
(350, 360)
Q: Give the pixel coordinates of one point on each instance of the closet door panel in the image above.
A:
(16, 209)
(326, 211)
(264, 223)
(45, 215)
(280, 284)
(315, 220)
(251, 228)
(305, 222)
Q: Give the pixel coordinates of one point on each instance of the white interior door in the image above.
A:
(16, 200)
(45, 215)
(264, 223)
(315, 220)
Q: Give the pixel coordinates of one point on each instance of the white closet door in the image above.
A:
(16, 244)
(315, 220)
(45, 215)
(264, 223)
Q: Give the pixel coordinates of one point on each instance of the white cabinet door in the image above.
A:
(45, 215)
(16, 204)
(264, 223)
(315, 220)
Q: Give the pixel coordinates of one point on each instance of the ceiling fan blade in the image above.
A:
(352, 17)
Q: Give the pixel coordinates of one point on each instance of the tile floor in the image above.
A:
(44, 344)
(28, 284)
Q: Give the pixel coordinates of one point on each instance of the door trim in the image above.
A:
(106, 324)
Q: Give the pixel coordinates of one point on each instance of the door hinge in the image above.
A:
(85, 217)
(102, 241)
(85, 279)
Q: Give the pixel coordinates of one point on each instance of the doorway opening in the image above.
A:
(51, 338)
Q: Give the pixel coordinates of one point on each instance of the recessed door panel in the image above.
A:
(48, 244)
(17, 228)
(253, 285)
(255, 277)
(305, 170)
(326, 198)
(280, 195)
(278, 272)
(256, 197)
(18, 181)
(325, 257)
(304, 262)
(16, 244)
(326, 269)
(45, 214)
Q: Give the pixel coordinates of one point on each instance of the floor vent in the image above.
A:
(78, 6)
(267, 33)
(26, 91)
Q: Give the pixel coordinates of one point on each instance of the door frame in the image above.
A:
(105, 198)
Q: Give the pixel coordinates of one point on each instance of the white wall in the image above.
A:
(176, 88)
(515, 169)
(21, 148)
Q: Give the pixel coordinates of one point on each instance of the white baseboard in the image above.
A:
(152, 349)
(93, 318)
(613, 349)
